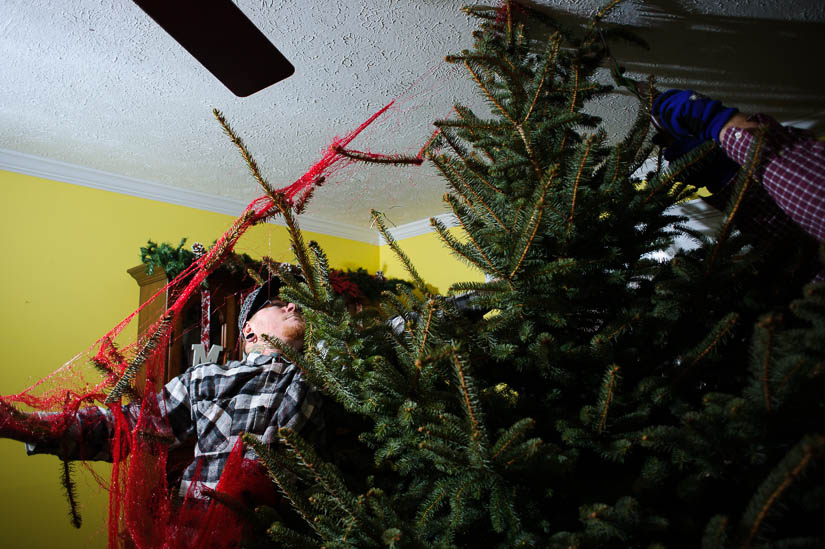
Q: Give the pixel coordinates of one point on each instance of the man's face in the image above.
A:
(278, 319)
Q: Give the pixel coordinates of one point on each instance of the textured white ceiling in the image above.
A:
(99, 84)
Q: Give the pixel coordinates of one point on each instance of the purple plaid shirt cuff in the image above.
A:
(791, 169)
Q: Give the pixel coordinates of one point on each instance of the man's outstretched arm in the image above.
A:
(84, 434)
(88, 433)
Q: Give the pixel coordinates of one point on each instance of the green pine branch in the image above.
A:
(160, 331)
(399, 253)
(766, 502)
(70, 490)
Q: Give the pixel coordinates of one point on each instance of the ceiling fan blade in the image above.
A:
(224, 40)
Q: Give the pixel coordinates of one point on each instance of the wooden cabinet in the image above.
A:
(225, 291)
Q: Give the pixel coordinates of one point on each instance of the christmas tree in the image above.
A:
(590, 393)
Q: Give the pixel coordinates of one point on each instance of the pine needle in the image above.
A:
(798, 460)
(405, 260)
(373, 158)
(608, 392)
(71, 492)
(250, 162)
(149, 346)
(470, 400)
(281, 478)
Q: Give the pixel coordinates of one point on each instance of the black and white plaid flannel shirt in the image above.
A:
(214, 404)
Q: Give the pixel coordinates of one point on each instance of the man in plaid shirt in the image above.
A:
(790, 168)
(212, 403)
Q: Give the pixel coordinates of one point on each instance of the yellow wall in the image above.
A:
(434, 262)
(63, 284)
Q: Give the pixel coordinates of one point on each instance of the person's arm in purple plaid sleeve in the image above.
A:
(791, 167)
(791, 164)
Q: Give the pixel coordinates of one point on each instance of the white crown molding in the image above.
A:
(333, 228)
(56, 170)
(417, 228)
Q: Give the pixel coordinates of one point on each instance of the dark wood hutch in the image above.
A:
(225, 290)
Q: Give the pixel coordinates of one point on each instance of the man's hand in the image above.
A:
(738, 120)
(689, 116)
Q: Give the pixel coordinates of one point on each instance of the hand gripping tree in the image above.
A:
(606, 398)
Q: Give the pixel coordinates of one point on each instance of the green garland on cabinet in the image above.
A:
(359, 285)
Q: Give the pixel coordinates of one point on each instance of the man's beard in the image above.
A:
(293, 333)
